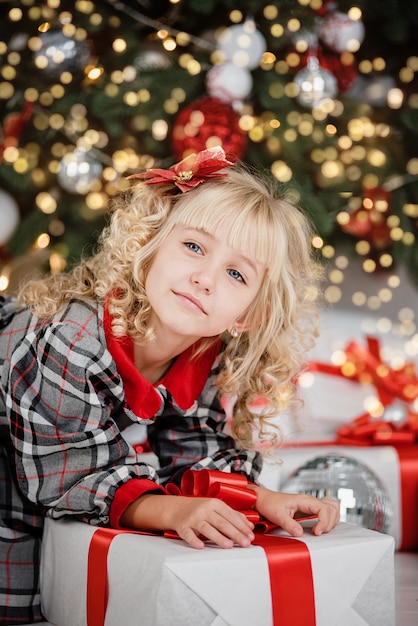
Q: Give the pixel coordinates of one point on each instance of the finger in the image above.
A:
(290, 525)
(235, 527)
(328, 516)
(225, 527)
(192, 539)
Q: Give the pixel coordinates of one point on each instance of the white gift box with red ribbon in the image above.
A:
(356, 369)
(155, 581)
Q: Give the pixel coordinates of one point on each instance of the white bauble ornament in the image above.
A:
(340, 33)
(315, 84)
(9, 216)
(229, 83)
(79, 172)
(242, 44)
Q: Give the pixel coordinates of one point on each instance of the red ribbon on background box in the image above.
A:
(368, 367)
(288, 559)
(365, 430)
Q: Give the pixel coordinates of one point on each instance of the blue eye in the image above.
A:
(194, 247)
(236, 275)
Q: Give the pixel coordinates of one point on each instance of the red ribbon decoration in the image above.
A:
(390, 385)
(288, 559)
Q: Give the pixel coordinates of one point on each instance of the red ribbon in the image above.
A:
(367, 367)
(408, 461)
(288, 559)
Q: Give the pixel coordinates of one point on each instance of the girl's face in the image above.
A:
(199, 286)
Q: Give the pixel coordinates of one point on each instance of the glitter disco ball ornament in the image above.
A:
(362, 496)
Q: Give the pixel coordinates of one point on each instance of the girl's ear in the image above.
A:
(242, 324)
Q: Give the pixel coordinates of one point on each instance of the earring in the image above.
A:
(234, 332)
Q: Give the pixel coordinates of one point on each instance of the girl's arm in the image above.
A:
(212, 519)
(64, 398)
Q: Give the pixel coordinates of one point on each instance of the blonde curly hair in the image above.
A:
(261, 362)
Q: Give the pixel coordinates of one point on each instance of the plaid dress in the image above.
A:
(64, 403)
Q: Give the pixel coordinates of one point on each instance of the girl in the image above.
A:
(200, 291)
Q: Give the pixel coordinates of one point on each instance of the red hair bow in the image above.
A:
(191, 171)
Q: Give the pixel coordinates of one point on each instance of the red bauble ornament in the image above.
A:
(206, 123)
(371, 223)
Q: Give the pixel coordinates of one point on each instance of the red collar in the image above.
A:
(184, 380)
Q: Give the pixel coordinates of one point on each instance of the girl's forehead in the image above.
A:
(246, 228)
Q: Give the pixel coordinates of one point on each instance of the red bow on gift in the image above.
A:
(191, 171)
(231, 488)
(365, 365)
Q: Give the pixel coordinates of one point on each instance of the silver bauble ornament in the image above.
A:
(315, 84)
(59, 53)
(79, 172)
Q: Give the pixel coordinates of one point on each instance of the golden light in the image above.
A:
(369, 266)
(56, 263)
(159, 130)
(333, 294)
(395, 98)
(328, 252)
(119, 45)
(4, 282)
(338, 357)
(46, 203)
(169, 44)
(281, 171)
(358, 298)
(270, 12)
(336, 276)
(42, 241)
(94, 73)
(341, 262)
(317, 242)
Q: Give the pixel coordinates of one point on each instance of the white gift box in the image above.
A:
(154, 581)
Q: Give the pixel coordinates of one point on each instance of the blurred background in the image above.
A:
(324, 94)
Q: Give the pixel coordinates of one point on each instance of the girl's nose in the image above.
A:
(204, 278)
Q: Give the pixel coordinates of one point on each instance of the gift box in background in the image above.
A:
(154, 581)
(334, 394)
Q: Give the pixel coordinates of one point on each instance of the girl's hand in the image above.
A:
(191, 518)
(281, 508)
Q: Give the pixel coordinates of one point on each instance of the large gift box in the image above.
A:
(138, 579)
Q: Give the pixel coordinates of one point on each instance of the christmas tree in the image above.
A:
(323, 94)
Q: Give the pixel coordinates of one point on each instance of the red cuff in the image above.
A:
(128, 493)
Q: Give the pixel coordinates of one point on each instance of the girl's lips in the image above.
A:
(190, 301)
